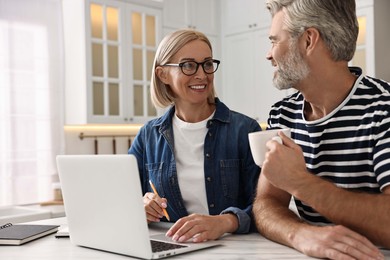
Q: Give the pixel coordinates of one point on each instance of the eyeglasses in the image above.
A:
(189, 68)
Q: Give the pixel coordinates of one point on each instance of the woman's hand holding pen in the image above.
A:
(154, 206)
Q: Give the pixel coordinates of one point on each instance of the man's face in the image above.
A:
(292, 68)
(285, 56)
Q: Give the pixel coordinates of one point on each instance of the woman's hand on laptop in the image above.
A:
(200, 228)
(154, 206)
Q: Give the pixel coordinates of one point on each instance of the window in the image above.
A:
(31, 87)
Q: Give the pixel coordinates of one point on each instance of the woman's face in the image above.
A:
(192, 89)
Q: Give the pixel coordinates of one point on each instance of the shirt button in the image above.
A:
(210, 134)
(209, 179)
(207, 155)
(212, 205)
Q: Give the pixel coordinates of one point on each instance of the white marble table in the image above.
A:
(251, 246)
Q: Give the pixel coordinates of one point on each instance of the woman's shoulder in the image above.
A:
(232, 115)
(159, 121)
(235, 115)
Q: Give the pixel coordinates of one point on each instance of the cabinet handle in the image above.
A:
(125, 119)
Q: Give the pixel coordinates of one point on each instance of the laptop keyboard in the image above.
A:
(159, 246)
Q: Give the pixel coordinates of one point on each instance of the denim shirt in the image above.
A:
(230, 172)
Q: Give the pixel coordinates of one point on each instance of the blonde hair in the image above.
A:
(161, 93)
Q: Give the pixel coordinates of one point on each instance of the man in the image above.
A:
(337, 163)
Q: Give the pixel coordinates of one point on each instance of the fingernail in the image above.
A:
(175, 237)
(164, 205)
(169, 233)
(182, 239)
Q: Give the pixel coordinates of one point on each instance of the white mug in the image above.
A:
(258, 140)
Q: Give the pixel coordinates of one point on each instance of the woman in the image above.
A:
(197, 154)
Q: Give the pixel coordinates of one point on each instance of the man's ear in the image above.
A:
(162, 74)
(312, 37)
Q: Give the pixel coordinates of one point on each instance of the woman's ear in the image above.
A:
(161, 73)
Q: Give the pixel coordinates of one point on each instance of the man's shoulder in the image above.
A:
(375, 85)
(292, 101)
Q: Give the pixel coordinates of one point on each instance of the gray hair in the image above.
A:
(335, 20)
(161, 93)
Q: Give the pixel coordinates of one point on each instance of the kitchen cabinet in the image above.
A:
(240, 16)
(201, 15)
(372, 53)
(247, 74)
(109, 50)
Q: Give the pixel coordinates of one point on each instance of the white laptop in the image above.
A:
(104, 209)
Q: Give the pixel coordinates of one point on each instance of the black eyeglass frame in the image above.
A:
(181, 64)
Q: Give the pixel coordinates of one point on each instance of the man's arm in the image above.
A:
(367, 214)
(284, 173)
(272, 215)
(276, 222)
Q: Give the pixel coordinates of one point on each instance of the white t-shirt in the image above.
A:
(189, 147)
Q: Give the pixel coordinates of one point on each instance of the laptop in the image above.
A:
(104, 209)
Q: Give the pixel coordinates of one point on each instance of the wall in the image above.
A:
(81, 139)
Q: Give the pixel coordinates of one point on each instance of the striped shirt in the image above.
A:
(350, 146)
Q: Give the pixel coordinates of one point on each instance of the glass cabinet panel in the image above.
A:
(112, 24)
(149, 64)
(98, 98)
(114, 99)
(97, 59)
(150, 30)
(137, 64)
(136, 20)
(96, 21)
(113, 61)
(144, 45)
(105, 51)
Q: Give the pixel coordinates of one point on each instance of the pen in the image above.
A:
(155, 192)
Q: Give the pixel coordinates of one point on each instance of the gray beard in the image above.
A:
(291, 70)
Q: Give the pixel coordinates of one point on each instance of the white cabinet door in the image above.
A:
(248, 75)
(109, 50)
(204, 14)
(201, 15)
(243, 16)
(175, 14)
(239, 74)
